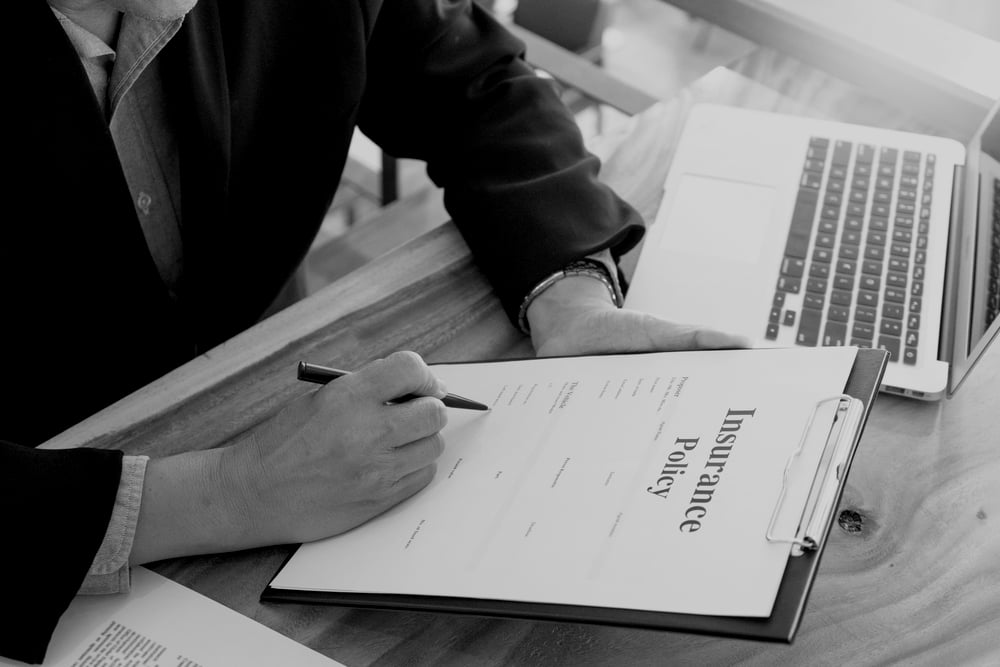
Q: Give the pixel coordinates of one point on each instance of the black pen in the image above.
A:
(323, 375)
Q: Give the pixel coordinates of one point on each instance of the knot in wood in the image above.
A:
(851, 521)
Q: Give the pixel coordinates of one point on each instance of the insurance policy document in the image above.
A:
(629, 481)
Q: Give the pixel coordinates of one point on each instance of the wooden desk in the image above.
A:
(913, 574)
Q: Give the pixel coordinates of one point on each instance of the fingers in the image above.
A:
(416, 419)
(398, 374)
(419, 454)
(409, 484)
(670, 336)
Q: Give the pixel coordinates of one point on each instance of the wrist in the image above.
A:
(191, 504)
(554, 292)
(555, 311)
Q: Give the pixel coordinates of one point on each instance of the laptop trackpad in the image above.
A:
(718, 218)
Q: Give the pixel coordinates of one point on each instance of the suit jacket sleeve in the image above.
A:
(451, 88)
(55, 506)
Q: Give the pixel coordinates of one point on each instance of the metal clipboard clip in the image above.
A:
(824, 490)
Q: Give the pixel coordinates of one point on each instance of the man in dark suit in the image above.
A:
(175, 160)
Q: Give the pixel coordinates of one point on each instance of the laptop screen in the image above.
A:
(983, 209)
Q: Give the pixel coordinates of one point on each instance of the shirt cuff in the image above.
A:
(109, 572)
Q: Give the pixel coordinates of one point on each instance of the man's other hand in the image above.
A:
(575, 316)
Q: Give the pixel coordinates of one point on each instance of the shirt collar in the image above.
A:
(139, 41)
(87, 44)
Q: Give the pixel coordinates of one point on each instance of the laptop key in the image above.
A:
(912, 338)
(871, 268)
(866, 153)
(774, 316)
(898, 264)
(863, 330)
(793, 266)
(841, 152)
(779, 300)
(840, 297)
(913, 321)
(872, 283)
(910, 356)
(893, 311)
(895, 279)
(814, 301)
(789, 320)
(867, 298)
(838, 313)
(865, 314)
(891, 327)
(846, 266)
(816, 285)
(895, 295)
(786, 284)
(816, 153)
(819, 270)
(810, 179)
(772, 332)
(844, 282)
(891, 345)
(849, 252)
(808, 333)
(835, 334)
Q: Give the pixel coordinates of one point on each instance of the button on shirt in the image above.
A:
(127, 86)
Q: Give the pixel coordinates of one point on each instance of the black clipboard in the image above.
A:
(793, 592)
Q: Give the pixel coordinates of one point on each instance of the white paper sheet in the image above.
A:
(163, 624)
(576, 487)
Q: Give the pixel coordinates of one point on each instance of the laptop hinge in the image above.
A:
(946, 340)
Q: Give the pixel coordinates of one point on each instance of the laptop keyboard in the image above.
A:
(859, 265)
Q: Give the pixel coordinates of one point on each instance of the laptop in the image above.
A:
(798, 231)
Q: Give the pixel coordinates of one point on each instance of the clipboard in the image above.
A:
(807, 542)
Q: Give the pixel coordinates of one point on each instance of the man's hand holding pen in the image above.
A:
(344, 453)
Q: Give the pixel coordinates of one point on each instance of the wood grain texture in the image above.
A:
(912, 577)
